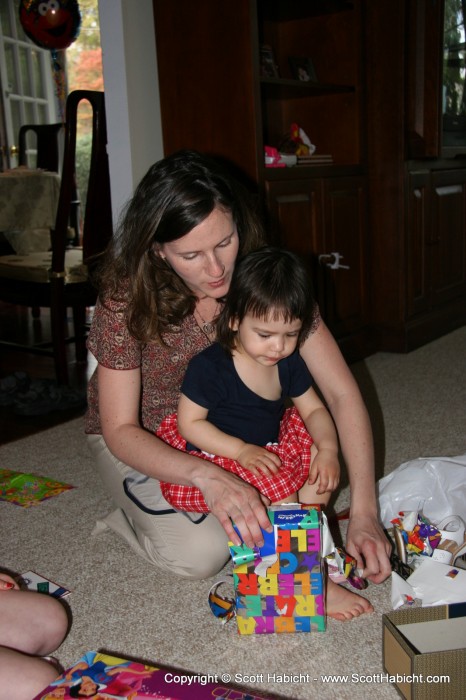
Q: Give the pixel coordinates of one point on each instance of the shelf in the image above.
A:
(285, 88)
(299, 172)
(288, 10)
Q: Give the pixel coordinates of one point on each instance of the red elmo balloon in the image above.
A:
(51, 24)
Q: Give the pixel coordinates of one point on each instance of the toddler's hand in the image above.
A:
(325, 470)
(258, 460)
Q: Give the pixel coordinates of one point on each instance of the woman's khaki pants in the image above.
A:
(192, 545)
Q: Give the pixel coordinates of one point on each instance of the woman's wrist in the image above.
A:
(202, 472)
(367, 509)
(327, 447)
(363, 501)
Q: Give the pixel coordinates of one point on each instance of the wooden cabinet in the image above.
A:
(419, 249)
(436, 249)
(329, 109)
(423, 75)
(448, 236)
(324, 219)
(391, 203)
(208, 61)
(214, 97)
(416, 195)
(320, 212)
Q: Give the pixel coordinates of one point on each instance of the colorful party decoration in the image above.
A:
(51, 24)
(28, 490)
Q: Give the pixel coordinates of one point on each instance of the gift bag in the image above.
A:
(280, 587)
(434, 485)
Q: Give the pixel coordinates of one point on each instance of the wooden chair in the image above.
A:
(48, 138)
(47, 145)
(61, 278)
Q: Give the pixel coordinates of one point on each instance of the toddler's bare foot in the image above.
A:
(343, 604)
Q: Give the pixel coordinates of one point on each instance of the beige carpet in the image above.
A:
(120, 603)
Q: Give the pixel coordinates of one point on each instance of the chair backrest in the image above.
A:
(97, 227)
(47, 145)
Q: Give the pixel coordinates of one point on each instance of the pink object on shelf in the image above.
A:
(272, 158)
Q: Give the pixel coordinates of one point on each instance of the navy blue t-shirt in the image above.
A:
(212, 382)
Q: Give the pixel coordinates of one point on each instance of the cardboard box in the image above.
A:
(424, 651)
(280, 587)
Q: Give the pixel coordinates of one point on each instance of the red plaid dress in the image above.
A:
(294, 450)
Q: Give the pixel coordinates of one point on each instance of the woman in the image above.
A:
(162, 283)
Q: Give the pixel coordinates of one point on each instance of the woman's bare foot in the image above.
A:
(343, 604)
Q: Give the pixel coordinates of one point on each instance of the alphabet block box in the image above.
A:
(280, 587)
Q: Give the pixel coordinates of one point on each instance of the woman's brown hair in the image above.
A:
(176, 194)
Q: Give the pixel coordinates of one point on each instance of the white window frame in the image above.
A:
(44, 109)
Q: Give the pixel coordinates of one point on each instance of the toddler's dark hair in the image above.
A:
(268, 280)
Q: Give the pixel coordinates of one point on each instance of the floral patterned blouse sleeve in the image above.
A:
(109, 339)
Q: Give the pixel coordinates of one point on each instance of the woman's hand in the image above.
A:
(232, 500)
(7, 583)
(368, 544)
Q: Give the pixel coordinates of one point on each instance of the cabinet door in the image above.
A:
(448, 236)
(419, 243)
(295, 211)
(319, 218)
(436, 240)
(344, 274)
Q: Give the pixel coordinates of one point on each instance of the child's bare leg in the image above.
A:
(308, 492)
(22, 677)
(31, 622)
(293, 498)
(31, 625)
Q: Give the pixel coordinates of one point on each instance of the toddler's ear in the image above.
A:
(234, 323)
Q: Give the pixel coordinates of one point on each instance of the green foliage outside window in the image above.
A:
(84, 72)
